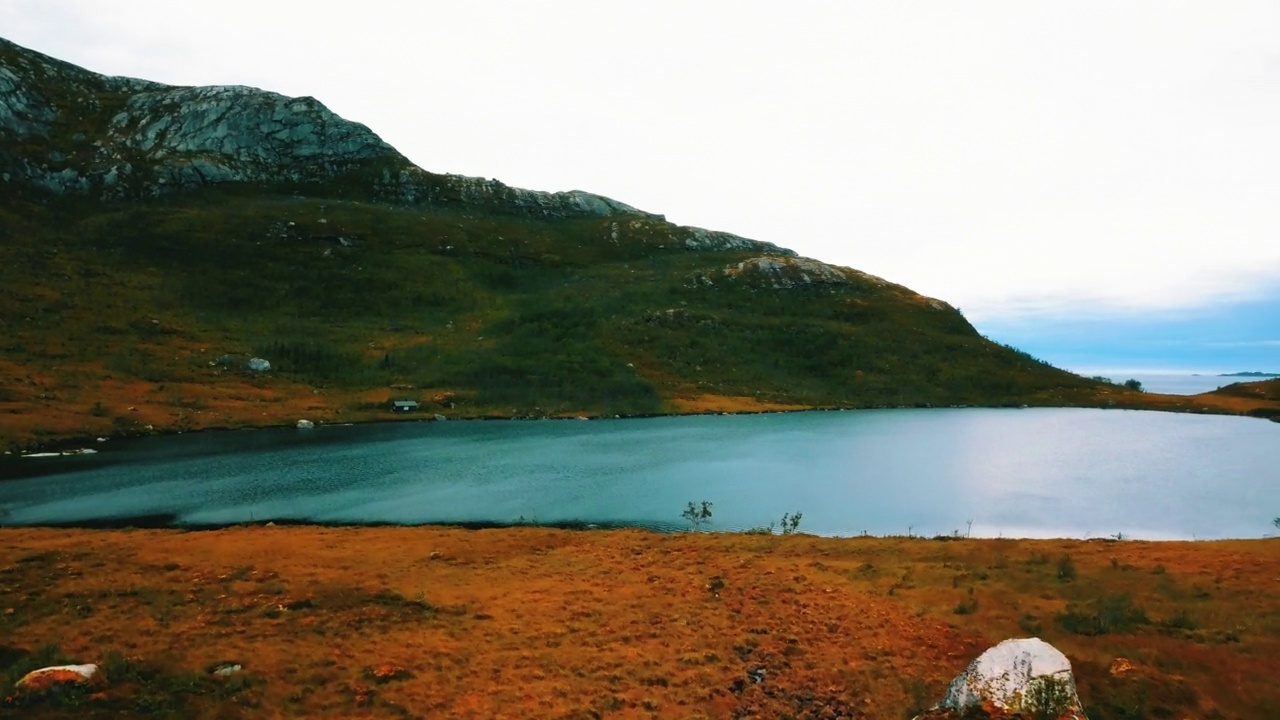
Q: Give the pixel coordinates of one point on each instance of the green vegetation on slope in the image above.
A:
(510, 315)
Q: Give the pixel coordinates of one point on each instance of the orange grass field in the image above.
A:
(541, 623)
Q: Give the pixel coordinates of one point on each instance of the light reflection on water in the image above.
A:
(1028, 473)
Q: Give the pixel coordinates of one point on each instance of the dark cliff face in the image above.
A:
(68, 130)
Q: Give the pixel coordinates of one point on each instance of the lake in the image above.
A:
(1040, 472)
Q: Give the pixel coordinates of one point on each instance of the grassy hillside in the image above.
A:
(107, 307)
(1261, 390)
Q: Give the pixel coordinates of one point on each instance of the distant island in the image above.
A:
(1252, 373)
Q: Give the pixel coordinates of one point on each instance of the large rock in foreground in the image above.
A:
(1017, 678)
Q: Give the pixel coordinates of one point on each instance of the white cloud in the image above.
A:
(1246, 344)
(1004, 156)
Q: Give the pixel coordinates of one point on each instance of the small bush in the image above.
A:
(968, 606)
(1109, 614)
(1180, 621)
(1066, 569)
(790, 522)
(1048, 698)
(715, 585)
(920, 697)
(1030, 624)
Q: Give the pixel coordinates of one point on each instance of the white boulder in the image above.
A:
(1017, 676)
(305, 424)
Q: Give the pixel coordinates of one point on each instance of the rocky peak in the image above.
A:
(242, 132)
(67, 130)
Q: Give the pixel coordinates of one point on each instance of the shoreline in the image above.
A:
(1203, 404)
(165, 522)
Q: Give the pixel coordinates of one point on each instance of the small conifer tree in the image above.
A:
(697, 513)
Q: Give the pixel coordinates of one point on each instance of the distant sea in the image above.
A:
(1173, 383)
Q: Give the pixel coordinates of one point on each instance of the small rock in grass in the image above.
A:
(386, 672)
(226, 669)
(40, 681)
(1121, 666)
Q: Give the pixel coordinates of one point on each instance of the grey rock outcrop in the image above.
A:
(22, 113)
(654, 230)
(69, 130)
(780, 271)
(1024, 676)
(700, 239)
(412, 185)
(209, 135)
(788, 272)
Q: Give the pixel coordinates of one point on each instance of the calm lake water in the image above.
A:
(1028, 473)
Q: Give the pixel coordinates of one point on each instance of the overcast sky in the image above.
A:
(1021, 160)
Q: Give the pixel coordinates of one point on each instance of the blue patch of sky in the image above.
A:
(1221, 338)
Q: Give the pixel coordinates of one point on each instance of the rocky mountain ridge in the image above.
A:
(67, 130)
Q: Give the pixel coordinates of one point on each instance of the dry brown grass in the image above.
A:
(727, 404)
(540, 623)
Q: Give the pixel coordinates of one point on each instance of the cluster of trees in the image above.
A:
(1131, 383)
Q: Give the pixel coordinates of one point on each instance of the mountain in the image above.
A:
(153, 239)
(70, 131)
